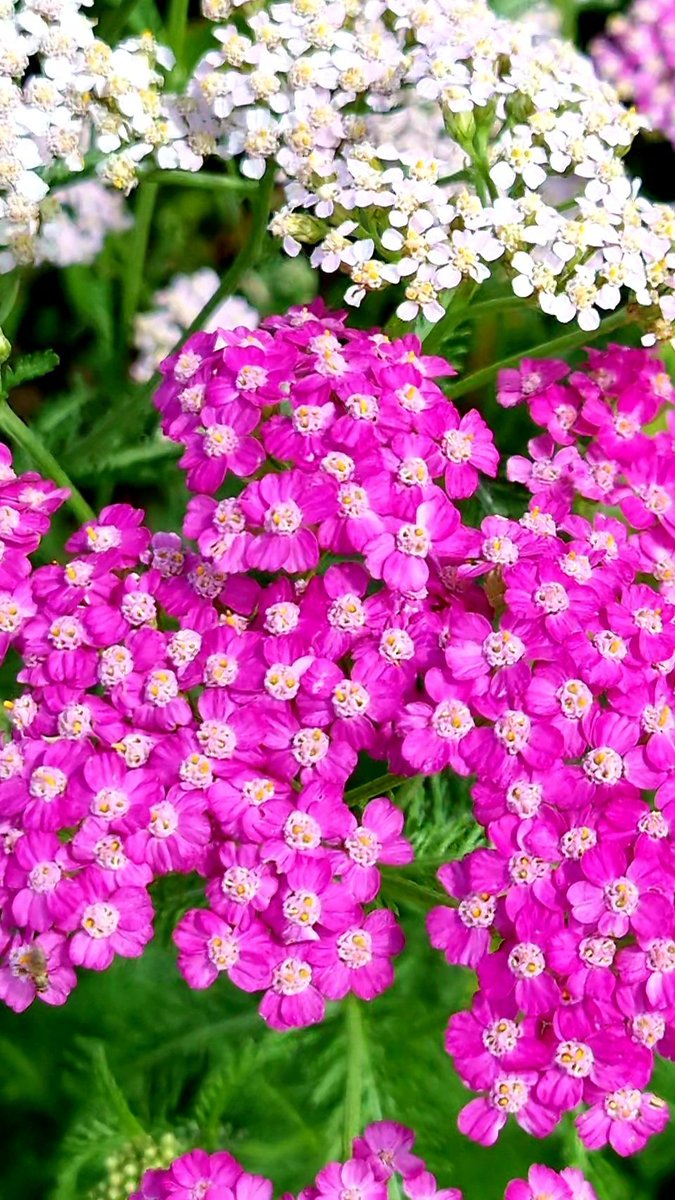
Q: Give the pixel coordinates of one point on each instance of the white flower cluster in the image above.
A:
(516, 153)
(174, 308)
(76, 220)
(65, 93)
(419, 143)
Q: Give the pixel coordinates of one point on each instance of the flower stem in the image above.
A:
(375, 1111)
(113, 21)
(454, 313)
(246, 258)
(138, 245)
(23, 436)
(354, 1084)
(567, 10)
(396, 328)
(375, 787)
(559, 345)
(209, 180)
(176, 27)
(496, 304)
(8, 296)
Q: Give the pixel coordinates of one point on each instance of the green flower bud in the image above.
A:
(305, 228)
(460, 125)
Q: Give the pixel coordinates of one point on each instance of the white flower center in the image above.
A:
(100, 920)
(355, 948)
(526, 960)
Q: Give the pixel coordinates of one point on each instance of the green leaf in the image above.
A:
(8, 295)
(30, 366)
(107, 1091)
(91, 299)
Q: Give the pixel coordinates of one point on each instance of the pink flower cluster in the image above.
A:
(26, 505)
(382, 1152)
(205, 710)
(637, 54)
(184, 712)
(371, 450)
(568, 917)
(158, 733)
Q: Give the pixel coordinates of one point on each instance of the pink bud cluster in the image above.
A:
(26, 505)
(381, 1153)
(568, 918)
(637, 53)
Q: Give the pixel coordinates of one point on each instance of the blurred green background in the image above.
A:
(94, 1086)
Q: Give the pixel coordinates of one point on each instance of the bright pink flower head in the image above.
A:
(209, 947)
(387, 1146)
(36, 968)
(282, 509)
(541, 1181)
(377, 839)
(358, 959)
(355, 1178)
(104, 921)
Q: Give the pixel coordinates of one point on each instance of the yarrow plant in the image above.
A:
(524, 171)
(567, 917)
(151, 669)
(380, 649)
(65, 93)
(383, 1153)
(183, 713)
(521, 166)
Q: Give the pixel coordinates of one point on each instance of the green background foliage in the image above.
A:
(135, 1054)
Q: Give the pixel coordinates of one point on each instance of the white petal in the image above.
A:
(392, 239)
(522, 286)
(449, 277)
(534, 176)
(589, 318)
(433, 311)
(563, 309)
(502, 175)
(407, 311)
(31, 186)
(522, 262)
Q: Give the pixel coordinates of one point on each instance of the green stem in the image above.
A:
(497, 304)
(568, 18)
(23, 436)
(485, 499)
(138, 246)
(559, 345)
(8, 295)
(208, 180)
(375, 787)
(246, 258)
(455, 313)
(355, 1062)
(395, 327)
(113, 21)
(375, 1111)
(176, 28)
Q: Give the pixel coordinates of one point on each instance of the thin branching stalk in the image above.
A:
(43, 459)
(555, 346)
